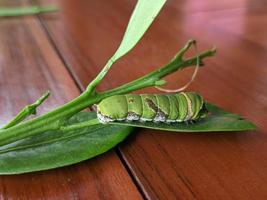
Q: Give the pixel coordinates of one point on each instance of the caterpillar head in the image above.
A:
(203, 111)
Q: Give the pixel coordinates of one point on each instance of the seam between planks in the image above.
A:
(65, 63)
(135, 180)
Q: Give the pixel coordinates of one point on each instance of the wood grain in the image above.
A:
(182, 166)
(29, 65)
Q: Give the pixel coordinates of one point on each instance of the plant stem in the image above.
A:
(152, 78)
(50, 121)
(55, 119)
(19, 11)
(27, 111)
(99, 77)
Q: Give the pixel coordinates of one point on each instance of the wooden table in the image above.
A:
(63, 52)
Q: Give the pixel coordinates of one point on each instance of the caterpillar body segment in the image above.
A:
(180, 107)
(134, 112)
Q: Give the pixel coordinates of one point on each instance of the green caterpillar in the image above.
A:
(180, 107)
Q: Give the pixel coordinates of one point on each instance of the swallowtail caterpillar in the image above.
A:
(167, 108)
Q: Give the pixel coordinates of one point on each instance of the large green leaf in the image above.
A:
(217, 120)
(143, 15)
(57, 148)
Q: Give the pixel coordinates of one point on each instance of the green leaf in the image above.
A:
(57, 148)
(218, 120)
(143, 15)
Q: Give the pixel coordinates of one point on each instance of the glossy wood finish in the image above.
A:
(29, 65)
(168, 165)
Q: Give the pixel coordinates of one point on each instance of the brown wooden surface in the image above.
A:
(163, 165)
(29, 65)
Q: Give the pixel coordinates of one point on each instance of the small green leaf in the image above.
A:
(218, 120)
(143, 15)
(57, 148)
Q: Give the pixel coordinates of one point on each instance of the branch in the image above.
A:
(56, 118)
(27, 111)
(155, 78)
(20, 11)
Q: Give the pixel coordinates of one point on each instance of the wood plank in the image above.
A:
(185, 166)
(29, 65)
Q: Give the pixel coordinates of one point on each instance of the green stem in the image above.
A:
(99, 77)
(50, 121)
(27, 111)
(20, 11)
(154, 77)
(55, 119)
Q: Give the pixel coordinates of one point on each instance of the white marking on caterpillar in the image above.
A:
(189, 107)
